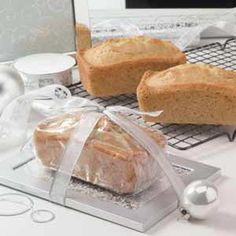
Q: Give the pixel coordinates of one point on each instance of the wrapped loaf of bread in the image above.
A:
(116, 66)
(111, 158)
(190, 94)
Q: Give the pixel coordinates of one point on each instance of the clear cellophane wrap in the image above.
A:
(182, 30)
(110, 158)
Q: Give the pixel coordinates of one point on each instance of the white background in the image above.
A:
(104, 4)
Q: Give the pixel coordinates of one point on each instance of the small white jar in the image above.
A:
(39, 70)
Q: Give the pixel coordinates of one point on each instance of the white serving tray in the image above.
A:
(18, 173)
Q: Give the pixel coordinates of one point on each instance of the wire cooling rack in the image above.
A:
(181, 137)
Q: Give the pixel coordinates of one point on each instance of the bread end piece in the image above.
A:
(83, 37)
(192, 101)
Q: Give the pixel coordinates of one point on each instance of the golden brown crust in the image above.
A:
(122, 50)
(197, 94)
(122, 73)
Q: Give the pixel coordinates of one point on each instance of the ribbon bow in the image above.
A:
(15, 117)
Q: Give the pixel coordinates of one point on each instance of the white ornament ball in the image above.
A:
(200, 199)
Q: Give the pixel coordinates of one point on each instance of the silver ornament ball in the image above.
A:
(200, 199)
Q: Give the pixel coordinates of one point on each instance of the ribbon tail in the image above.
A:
(154, 150)
(71, 156)
(124, 110)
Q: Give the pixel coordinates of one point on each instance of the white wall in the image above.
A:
(106, 4)
(81, 11)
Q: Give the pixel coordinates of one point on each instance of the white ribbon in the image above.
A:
(71, 155)
(91, 115)
(153, 149)
(14, 119)
(126, 110)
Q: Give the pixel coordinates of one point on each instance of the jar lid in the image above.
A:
(45, 63)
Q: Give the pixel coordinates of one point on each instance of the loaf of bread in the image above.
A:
(190, 94)
(83, 37)
(116, 66)
(111, 158)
